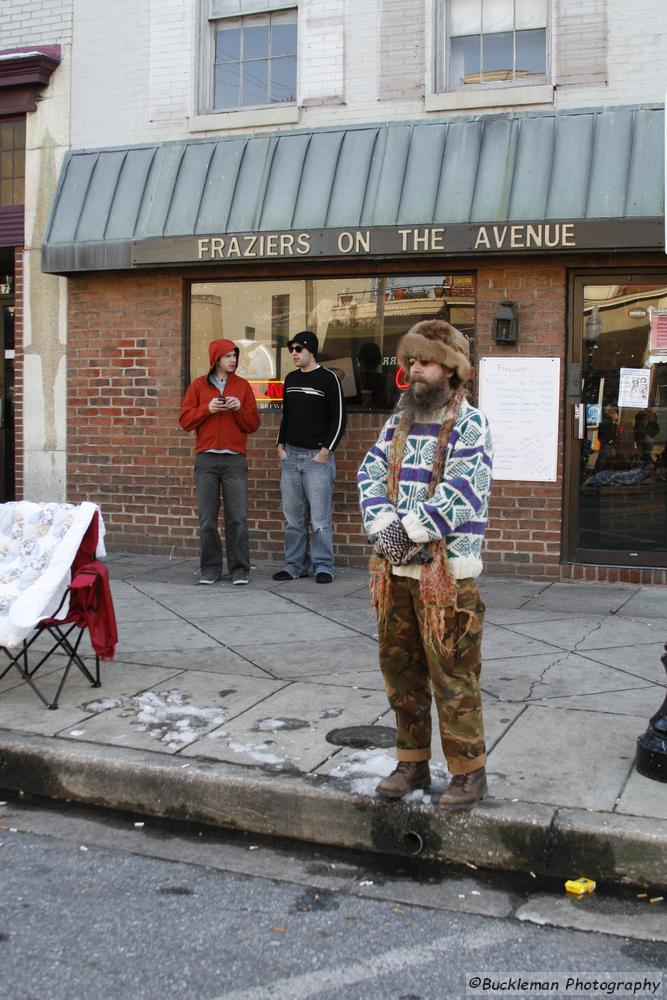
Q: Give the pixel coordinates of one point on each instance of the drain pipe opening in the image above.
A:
(414, 841)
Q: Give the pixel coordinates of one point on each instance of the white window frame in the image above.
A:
(494, 94)
(210, 119)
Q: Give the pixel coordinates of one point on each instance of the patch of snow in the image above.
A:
(258, 752)
(104, 704)
(21, 55)
(271, 725)
(369, 763)
(362, 769)
(363, 786)
(420, 796)
(167, 716)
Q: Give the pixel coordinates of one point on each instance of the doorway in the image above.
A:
(618, 460)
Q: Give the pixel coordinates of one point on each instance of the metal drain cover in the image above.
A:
(363, 737)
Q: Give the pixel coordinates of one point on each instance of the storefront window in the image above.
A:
(358, 322)
(622, 497)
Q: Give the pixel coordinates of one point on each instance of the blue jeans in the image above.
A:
(307, 493)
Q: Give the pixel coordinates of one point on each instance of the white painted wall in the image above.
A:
(26, 24)
(135, 64)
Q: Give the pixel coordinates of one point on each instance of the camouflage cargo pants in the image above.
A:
(448, 671)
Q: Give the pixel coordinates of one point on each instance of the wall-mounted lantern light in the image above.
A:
(506, 323)
(593, 325)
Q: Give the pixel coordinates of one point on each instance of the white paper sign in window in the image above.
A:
(633, 387)
(520, 398)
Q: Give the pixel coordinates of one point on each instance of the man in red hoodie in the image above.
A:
(220, 407)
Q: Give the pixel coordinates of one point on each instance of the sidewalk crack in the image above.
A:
(217, 642)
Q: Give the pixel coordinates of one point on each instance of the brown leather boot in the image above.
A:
(407, 776)
(465, 790)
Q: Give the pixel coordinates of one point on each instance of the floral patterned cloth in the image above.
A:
(38, 543)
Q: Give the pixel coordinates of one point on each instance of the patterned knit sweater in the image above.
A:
(458, 509)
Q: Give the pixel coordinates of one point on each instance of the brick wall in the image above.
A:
(126, 452)
(524, 535)
(402, 59)
(580, 42)
(25, 22)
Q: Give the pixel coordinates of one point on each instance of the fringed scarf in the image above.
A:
(437, 586)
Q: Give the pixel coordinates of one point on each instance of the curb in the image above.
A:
(515, 836)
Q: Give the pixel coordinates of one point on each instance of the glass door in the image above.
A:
(618, 473)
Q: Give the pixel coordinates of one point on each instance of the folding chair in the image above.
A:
(90, 607)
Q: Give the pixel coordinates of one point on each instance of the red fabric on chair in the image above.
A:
(88, 547)
(91, 606)
(90, 601)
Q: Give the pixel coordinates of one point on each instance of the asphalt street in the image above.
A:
(101, 906)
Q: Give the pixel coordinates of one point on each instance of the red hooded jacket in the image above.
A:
(230, 428)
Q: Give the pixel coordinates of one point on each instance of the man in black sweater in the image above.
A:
(312, 425)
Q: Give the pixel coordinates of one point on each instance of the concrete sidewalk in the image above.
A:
(219, 702)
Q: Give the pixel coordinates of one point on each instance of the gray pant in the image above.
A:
(231, 473)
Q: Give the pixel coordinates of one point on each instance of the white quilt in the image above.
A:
(38, 543)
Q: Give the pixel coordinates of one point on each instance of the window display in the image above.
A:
(358, 322)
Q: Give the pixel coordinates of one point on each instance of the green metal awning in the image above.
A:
(485, 183)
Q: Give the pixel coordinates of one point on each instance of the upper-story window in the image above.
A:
(254, 46)
(12, 162)
(494, 42)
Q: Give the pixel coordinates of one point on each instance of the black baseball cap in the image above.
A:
(307, 339)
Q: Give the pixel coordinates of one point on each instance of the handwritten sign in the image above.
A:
(520, 398)
(633, 387)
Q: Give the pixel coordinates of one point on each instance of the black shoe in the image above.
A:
(282, 574)
(323, 578)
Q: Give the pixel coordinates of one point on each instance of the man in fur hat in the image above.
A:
(424, 490)
(220, 408)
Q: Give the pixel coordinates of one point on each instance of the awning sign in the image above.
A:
(393, 241)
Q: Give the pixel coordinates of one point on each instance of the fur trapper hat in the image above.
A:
(436, 340)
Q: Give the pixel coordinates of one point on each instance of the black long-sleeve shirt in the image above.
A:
(313, 410)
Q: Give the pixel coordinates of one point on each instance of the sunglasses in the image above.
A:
(296, 347)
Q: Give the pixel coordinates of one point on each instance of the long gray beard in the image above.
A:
(422, 405)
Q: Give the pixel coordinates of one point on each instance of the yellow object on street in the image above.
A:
(580, 886)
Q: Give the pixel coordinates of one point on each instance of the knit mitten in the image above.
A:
(394, 544)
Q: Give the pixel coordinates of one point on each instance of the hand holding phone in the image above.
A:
(217, 404)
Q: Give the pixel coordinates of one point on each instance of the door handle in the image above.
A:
(579, 422)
